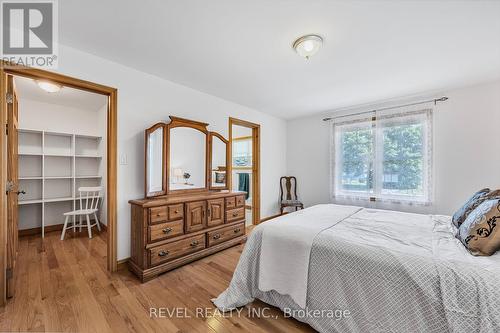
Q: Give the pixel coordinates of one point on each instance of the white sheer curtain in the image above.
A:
(383, 156)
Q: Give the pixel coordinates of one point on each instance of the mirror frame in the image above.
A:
(210, 138)
(182, 122)
(197, 125)
(146, 159)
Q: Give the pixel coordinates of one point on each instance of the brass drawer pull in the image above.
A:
(237, 230)
(162, 253)
(235, 214)
(194, 243)
(216, 236)
(158, 214)
(167, 230)
(176, 211)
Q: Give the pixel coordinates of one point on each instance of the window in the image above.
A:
(383, 157)
(242, 152)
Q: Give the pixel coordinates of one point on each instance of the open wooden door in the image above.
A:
(3, 180)
(12, 183)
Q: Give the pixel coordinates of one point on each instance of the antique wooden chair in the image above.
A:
(289, 185)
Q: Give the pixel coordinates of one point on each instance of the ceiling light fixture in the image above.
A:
(308, 45)
(49, 87)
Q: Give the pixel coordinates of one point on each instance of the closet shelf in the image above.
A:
(88, 156)
(58, 177)
(28, 202)
(58, 155)
(53, 166)
(29, 154)
(59, 199)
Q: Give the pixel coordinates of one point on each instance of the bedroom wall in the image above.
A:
(466, 134)
(40, 116)
(144, 99)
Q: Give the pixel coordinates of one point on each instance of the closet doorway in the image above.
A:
(244, 166)
(60, 141)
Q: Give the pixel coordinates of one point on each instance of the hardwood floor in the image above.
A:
(63, 286)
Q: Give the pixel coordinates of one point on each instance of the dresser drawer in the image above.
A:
(240, 201)
(166, 213)
(235, 214)
(230, 203)
(170, 251)
(226, 233)
(165, 230)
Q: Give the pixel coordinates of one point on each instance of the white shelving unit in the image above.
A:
(52, 166)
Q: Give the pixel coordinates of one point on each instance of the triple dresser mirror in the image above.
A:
(183, 156)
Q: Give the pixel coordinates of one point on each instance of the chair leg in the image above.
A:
(65, 226)
(80, 219)
(97, 222)
(281, 210)
(89, 229)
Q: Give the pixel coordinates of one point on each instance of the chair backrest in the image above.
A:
(288, 188)
(89, 197)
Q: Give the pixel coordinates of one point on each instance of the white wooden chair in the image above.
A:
(89, 205)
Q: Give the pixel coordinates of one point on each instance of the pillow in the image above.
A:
(479, 232)
(474, 201)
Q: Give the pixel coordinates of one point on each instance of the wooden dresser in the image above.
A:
(170, 231)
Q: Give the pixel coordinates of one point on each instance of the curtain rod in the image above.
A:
(435, 100)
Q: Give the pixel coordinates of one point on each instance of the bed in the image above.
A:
(367, 270)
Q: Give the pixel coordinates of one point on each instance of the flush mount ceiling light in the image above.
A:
(49, 87)
(308, 45)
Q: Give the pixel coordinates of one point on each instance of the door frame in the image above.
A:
(255, 163)
(111, 186)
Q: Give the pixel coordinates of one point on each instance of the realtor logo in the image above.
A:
(29, 33)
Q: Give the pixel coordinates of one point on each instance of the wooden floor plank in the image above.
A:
(63, 286)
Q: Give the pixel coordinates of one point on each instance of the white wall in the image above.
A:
(144, 99)
(57, 118)
(466, 141)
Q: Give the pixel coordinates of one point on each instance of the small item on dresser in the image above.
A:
(479, 232)
(475, 200)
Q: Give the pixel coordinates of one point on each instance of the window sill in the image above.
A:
(392, 200)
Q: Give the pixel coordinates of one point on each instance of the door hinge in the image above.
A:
(9, 98)
(9, 186)
(6, 129)
(8, 273)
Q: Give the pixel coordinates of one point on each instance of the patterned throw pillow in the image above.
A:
(479, 232)
(474, 201)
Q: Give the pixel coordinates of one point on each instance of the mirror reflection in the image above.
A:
(218, 167)
(155, 161)
(187, 168)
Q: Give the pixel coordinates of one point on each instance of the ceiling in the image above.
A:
(241, 50)
(28, 89)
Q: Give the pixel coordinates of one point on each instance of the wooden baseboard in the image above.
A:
(272, 217)
(122, 264)
(49, 228)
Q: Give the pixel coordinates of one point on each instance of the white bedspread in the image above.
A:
(286, 248)
(393, 272)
